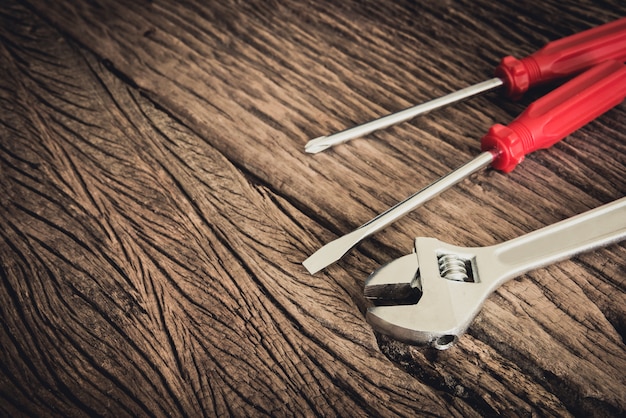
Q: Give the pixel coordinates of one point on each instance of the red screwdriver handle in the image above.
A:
(563, 57)
(557, 114)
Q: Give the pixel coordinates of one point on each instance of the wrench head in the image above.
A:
(425, 297)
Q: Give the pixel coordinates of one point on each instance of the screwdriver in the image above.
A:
(561, 58)
(545, 122)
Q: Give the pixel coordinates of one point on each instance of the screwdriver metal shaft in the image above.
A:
(323, 142)
(564, 57)
(336, 249)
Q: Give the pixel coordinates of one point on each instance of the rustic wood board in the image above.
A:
(157, 204)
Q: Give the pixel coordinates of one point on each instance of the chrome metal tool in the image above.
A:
(561, 58)
(431, 296)
(544, 123)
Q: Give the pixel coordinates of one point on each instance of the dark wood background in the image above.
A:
(156, 205)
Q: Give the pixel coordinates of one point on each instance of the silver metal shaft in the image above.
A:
(323, 142)
(336, 249)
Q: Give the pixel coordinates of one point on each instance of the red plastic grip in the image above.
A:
(557, 114)
(564, 57)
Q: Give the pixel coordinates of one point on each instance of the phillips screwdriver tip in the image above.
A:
(317, 145)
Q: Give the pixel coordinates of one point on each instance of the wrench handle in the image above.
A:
(590, 230)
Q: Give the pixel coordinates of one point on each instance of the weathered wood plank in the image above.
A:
(138, 277)
(204, 257)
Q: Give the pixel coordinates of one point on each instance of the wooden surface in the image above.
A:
(157, 205)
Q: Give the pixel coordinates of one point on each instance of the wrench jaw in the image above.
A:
(442, 315)
(392, 321)
(447, 303)
(395, 283)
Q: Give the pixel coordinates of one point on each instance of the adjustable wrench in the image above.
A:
(432, 295)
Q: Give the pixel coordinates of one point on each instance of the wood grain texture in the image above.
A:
(157, 204)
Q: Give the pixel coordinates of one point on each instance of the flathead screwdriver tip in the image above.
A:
(333, 251)
(317, 145)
